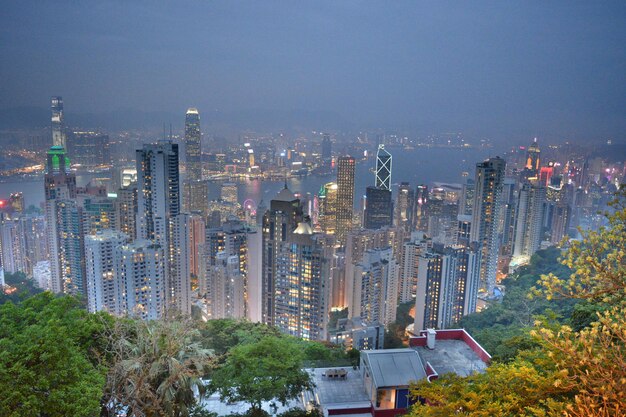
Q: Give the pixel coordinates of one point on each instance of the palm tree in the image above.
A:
(156, 368)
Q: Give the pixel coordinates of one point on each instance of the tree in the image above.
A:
(156, 368)
(270, 369)
(49, 358)
(569, 372)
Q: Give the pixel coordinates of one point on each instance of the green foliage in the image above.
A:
(395, 332)
(49, 360)
(503, 328)
(224, 334)
(269, 369)
(156, 367)
(25, 287)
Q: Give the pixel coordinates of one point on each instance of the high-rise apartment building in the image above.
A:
(409, 265)
(345, 197)
(296, 271)
(225, 288)
(58, 126)
(374, 293)
(158, 189)
(529, 220)
(126, 210)
(12, 250)
(141, 267)
(486, 217)
(106, 291)
(447, 286)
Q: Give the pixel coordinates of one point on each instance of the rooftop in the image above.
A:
(394, 367)
(349, 392)
(452, 356)
(285, 195)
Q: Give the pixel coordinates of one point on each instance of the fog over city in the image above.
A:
(487, 69)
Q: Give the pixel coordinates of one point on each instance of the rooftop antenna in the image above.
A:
(164, 132)
(170, 131)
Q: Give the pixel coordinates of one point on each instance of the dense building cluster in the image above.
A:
(153, 243)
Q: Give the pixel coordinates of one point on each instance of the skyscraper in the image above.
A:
(447, 286)
(532, 158)
(328, 208)
(105, 290)
(375, 287)
(141, 267)
(383, 168)
(327, 148)
(126, 206)
(529, 220)
(158, 185)
(193, 145)
(60, 186)
(486, 217)
(345, 197)
(404, 209)
(159, 217)
(196, 189)
(378, 209)
(58, 127)
(296, 271)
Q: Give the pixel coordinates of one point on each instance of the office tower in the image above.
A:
(378, 209)
(338, 281)
(375, 287)
(345, 197)
(12, 250)
(327, 147)
(529, 220)
(447, 286)
(466, 202)
(158, 189)
(404, 207)
(532, 159)
(421, 201)
(409, 265)
(88, 150)
(126, 210)
(486, 217)
(383, 168)
(58, 127)
(193, 145)
(105, 290)
(60, 187)
(141, 267)
(225, 288)
(196, 190)
(327, 198)
(464, 229)
(229, 193)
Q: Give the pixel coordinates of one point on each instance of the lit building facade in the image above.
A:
(486, 217)
(345, 197)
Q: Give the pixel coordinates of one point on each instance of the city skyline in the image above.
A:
(494, 70)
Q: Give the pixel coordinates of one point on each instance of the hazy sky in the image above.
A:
(492, 67)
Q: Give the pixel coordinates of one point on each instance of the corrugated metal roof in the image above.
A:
(394, 367)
